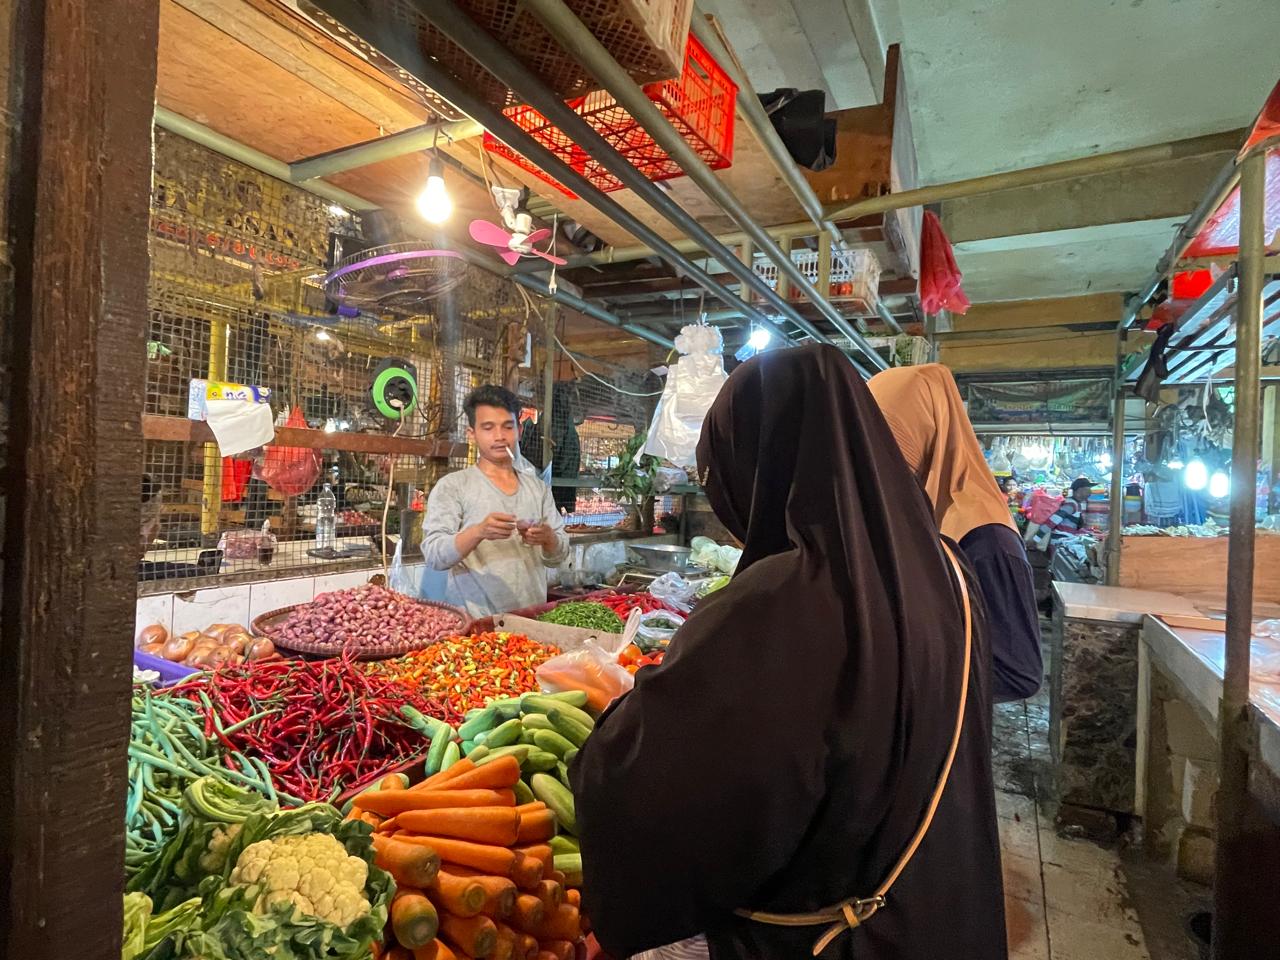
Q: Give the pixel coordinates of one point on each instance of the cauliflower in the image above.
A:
(214, 857)
(313, 872)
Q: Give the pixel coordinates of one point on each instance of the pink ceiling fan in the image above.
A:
(519, 238)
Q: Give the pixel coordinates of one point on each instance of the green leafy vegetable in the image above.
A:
(586, 614)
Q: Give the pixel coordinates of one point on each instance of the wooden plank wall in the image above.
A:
(1193, 566)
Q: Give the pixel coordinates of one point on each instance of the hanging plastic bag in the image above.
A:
(693, 382)
(590, 669)
(400, 578)
(291, 471)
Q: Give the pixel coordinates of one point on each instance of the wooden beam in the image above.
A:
(79, 182)
(156, 427)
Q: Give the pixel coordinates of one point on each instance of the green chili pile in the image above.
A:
(586, 614)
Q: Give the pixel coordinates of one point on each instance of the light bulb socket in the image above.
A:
(435, 168)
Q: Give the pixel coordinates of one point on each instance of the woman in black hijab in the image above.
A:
(786, 754)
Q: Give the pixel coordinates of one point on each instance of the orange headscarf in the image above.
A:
(926, 414)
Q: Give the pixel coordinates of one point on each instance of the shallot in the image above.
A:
(370, 617)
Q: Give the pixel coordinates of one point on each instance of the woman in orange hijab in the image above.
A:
(923, 408)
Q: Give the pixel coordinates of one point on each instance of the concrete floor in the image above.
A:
(1068, 898)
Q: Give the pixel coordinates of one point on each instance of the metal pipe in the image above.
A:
(1230, 918)
(548, 385)
(1117, 468)
(1048, 173)
(383, 148)
(463, 31)
(889, 319)
(782, 233)
(256, 159)
(569, 31)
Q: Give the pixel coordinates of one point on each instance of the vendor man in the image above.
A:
(494, 528)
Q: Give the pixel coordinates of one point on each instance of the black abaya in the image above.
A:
(783, 755)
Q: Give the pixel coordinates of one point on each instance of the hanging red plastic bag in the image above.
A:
(1042, 505)
(291, 471)
(940, 278)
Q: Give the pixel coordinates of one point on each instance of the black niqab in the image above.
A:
(783, 755)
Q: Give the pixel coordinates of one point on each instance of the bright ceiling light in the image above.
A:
(759, 339)
(1196, 476)
(1175, 464)
(433, 202)
(1219, 485)
(338, 210)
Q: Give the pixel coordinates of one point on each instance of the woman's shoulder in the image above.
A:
(993, 540)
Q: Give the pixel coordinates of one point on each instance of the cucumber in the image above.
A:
(536, 721)
(569, 728)
(549, 706)
(526, 736)
(552, 742)
(557, 798)
(570, 864)
(346, 807)
(537, 761)
(523, 793)
(452, 754)
(563, 773)
(575, 698)
(568, 757)
(506, 708)
(483, 721)
(561, 845)
(402, 782)
(519, 750)
(478, 753)
(435, 756)
(504, 735)
(468, 746)
(428, 725)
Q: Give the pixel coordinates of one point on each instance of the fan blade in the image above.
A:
(510, 256)
(482, 231)
(537, 236)
(558, 261)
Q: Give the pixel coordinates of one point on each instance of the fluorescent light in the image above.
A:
(760, 338)
(1196, 476)
(1219, 485)
(434, 203)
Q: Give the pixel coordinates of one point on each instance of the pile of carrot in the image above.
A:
(474, 870)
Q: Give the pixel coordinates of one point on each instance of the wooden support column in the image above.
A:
(81, 92)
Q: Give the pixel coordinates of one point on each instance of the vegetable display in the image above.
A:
(206, 649)
(147, 932)
(478, 880)
(168, 751)
(318, 727)
(369, 618)
(633, 658)
(468, 672)
(587, 614)
(623, 603)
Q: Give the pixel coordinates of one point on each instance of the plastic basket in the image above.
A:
(700, 104)
(854, 280)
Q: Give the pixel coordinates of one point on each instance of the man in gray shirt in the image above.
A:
(495, 529)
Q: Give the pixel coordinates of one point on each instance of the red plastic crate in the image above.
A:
(700, 105)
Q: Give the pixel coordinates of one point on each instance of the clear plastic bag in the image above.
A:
(652, 634)
(693, 382)
(400, 578)
(592, 669)
(675, 590)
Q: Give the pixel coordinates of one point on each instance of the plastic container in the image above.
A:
(170, 672)
(326, 519)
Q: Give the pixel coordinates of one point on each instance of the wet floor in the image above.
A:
(1067, 898)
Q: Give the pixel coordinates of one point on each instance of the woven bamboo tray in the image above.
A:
(269, 623)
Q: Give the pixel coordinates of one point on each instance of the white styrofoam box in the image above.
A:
(214, 605)
(273, 594)
(343, 581)
(157, 609)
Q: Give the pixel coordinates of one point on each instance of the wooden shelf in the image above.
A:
(155, 427)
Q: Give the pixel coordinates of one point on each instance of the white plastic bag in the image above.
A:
(399, 578)
(693, 382)
(675, 590)
(652, 633)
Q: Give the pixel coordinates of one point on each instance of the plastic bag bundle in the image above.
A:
(709, 555)
(675, 590)
(693, 382)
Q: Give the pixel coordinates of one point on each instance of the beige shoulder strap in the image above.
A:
(857, 910)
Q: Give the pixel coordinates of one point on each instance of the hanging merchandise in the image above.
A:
(940, 278)
(692, 384)
(289, 470)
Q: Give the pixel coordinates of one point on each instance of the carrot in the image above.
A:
(414, 919)
(536, 825)
(396, 952)
(541, 852)
(550, 893)
(498, 861)
(526, 946)
(389, 803)
(559, 878)
(500, 773)
(573, 897)
(499, 826)
(532, 806)
(388, 826)
(563, 924)
(546, 955)
(527, 871)
(530, 913)
(461, 896)
(499, 896)
(475, 936)
(393, 781)
(375, 951)
(563, 949)
(410, 865)
(506, 943)
(434, 781)
(435, 950)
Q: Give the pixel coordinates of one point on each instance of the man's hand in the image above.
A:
(496, 526)
(539, 535)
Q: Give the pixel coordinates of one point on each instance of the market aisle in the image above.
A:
(1065, 899)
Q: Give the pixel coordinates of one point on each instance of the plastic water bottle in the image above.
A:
(326, 519)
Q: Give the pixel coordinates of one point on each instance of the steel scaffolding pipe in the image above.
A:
(402, 48)
(569, 31)
(383, 148)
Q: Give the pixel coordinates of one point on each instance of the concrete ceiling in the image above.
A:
(1005, 84)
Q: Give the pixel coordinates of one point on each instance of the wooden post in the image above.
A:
(81, 95)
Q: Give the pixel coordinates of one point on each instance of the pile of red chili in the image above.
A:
(623, 603)
(468, 672)
(320, 727)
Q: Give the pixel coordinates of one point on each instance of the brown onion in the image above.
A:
(155, 649)
(178, 649)
(262, 647)
(216, 630)
(236, 640)
(152, 634)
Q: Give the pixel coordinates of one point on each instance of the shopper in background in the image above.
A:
(494, 528)
(926, 414)
(793, 739)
